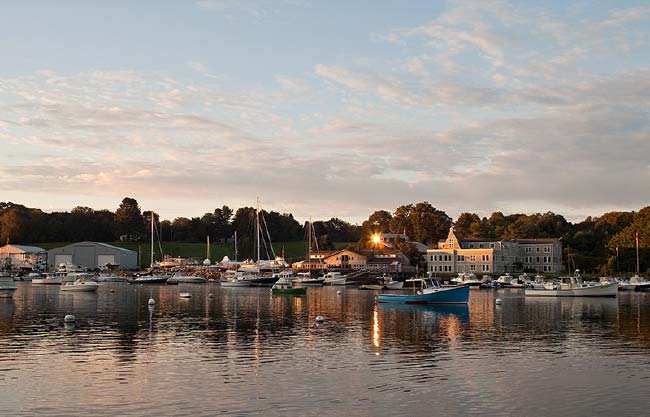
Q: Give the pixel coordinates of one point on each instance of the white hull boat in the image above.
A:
(395, 285)
(636, 283)
(304, 278)
(80, 286)
(235, 283)
(49, 279)
(180, 278)
(335, 278)
(575, 290)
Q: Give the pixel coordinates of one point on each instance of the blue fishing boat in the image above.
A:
(429, 292)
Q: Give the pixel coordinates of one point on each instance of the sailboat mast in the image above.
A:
(151, 265)
(637, 252)
(207, 249)
(257, 228)
(309, 247)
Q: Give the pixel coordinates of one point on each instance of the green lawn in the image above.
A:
(293, 251)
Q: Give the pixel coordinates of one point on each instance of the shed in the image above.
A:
(92, 255)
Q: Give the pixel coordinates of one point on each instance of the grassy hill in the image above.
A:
(293, 251)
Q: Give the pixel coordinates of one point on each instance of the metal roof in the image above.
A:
(22, 249)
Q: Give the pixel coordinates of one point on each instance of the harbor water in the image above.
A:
(242, 351)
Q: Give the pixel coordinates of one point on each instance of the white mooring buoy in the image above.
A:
(319, 319)
(498, 301)
(69, 318)
(338, 292)
(152, 301)
(210, 295)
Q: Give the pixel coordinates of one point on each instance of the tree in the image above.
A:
(12, 226)
(128, 219)
(463, 224)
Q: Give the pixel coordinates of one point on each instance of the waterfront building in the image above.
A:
(23, 256)
(380, 260)
(495, 256)
(92, 255)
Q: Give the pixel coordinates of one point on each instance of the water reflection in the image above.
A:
(244, 343)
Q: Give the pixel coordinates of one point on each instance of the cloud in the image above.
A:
(488, 106)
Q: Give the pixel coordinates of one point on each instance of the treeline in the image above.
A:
(593, 242)
(23, 225)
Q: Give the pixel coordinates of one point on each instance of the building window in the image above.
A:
(471, 246)
(451, 243)
(472, 258)
(480, 245)
(528, 250)
(538, 259)
(472, 267)
(492, 245)
(547, 249)
(486, 268)
(485, 258)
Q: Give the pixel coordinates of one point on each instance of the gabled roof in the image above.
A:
(106, 245)
(21, 249)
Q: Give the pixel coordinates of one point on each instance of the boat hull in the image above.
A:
(235, 284)
(186, 280)
(149, 280)
(606, 290)
(452, 295)
(87, 287)
(47, 281)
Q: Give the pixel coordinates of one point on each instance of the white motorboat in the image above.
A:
(235, 279)
(390, 284)
(74, 276)
(504, 280)
(466, 279)
(82, 284)
(305, 278)
(108, 277)
(334, 278)
(573, 287)
(635, 283)
(55, 278)
(183, 278)
(7, 285)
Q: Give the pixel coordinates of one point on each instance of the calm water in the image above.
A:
(245, 352)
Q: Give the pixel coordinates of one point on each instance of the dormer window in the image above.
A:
(451, 243)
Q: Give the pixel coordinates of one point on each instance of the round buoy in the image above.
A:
(69, 318)
(112, 290)
(319, 319)
(152, 301)
(497, 301)
(210, 295)
(338, 292)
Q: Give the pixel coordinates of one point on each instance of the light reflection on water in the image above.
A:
(245, 352)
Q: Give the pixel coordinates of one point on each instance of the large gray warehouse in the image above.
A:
(92, 255)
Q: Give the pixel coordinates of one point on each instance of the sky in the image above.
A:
(326, 108)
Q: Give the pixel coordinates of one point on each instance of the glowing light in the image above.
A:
(375, 328)
(376, 238)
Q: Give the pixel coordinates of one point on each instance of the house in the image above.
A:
(384, 260)
(495, 256)
(23, 256)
